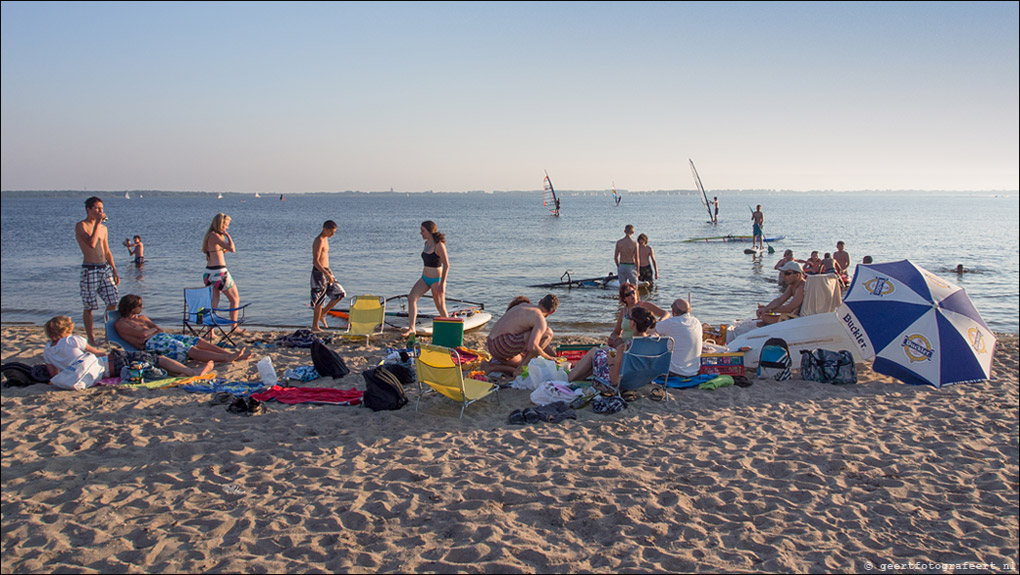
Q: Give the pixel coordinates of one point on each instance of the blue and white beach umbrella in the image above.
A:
(920, 328)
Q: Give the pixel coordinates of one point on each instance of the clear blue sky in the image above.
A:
(294, 97)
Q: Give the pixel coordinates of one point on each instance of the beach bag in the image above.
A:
(383, 391)
(326, 361)
(83, 373)
(774, 360)
(405, 374)
(827, 366)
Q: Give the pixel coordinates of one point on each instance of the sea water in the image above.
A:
(499, 245)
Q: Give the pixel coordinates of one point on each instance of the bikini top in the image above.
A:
(431, 260)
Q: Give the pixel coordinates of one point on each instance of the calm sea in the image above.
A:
(499, 244)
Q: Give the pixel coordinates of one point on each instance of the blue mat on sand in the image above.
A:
(677, 382)
(221, 384)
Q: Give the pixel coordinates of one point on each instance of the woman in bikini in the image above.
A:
(433, 276)
(216, 243)
(629, 299)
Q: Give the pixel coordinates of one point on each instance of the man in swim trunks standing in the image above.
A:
(759, 220)
(98, 273)
(522, 334)
(323, 282)
(626, 257)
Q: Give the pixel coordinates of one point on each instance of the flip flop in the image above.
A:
(238, 406)
(657, 394)
(255, 407)
(531, 416)
(517, 417)
(630, 395)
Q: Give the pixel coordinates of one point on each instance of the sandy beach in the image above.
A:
(788, 476)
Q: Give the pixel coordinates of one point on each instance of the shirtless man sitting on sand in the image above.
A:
(142, 333)
(521, 335)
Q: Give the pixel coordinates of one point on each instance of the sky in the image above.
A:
(452, 97)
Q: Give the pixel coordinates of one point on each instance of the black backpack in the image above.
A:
(326, 361)
(383, 390)
(20, 375)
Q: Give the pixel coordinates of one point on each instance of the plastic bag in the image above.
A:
(552, 391)
(541, 370)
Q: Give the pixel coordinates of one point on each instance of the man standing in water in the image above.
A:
(98, 272)
(626, 257)
(759, 220)
(715, 204)
(323, 282)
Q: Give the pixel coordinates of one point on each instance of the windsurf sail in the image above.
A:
(550, 201)
(704, 196)
(616, 195)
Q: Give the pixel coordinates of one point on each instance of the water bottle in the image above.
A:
(266, 371)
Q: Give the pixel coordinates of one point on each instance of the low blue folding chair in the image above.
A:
(201, 319)
(112, 337)
(645, 359)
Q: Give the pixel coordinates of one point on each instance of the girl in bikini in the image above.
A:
(216, 243)
(433, 276)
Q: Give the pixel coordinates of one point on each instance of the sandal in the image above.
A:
(531, 416)
(255, 407)
(238, 406)
(657, 394)
(517, 417)
(630, 395)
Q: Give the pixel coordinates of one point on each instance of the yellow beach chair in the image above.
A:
(439, 368)
(367, 317)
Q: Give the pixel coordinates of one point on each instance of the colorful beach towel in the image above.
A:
(322, 395)
(219, 384)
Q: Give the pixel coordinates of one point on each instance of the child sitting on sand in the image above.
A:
(65, 348)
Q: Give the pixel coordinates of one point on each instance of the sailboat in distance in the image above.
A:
(550, 200)
(704, 196)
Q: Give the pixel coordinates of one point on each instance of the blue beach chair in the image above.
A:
(201, 319)
(112, 337)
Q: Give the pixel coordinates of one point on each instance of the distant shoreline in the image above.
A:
(269, 195)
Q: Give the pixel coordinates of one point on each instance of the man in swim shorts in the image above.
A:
(521, 335)
(98, 273)
(758, 238)
(626, 257)
(141, 332)
(323, 283)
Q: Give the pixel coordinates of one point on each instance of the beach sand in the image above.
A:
(788, 476)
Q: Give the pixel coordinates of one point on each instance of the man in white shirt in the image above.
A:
(685, 329)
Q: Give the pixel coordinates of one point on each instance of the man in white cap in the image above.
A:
(787, 305)
(685, 329)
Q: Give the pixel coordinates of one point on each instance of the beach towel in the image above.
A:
(680, 382)
(219, 384)
(320, 395)
(301, 338)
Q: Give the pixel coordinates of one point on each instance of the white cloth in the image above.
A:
(66, 351)
(686, 333)
(78, 368)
